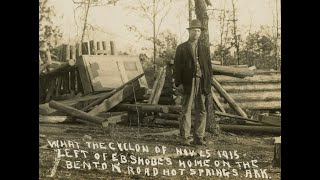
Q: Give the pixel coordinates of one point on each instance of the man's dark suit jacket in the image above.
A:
(184, 65)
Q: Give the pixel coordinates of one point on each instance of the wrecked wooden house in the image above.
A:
(85, 83)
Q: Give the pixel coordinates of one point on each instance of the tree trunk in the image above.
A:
(201, 13)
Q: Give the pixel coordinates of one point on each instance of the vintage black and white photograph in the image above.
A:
(160, 89)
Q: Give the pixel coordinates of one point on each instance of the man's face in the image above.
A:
(194, 34)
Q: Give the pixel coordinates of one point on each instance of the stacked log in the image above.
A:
(260, 92)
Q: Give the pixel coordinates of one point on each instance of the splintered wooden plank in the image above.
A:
(159, 87)
(116, 98)
(76, 113)
(84, 75)
(154, 88)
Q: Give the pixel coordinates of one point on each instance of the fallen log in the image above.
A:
(228, 98)
(229, 128)
(167, 133)
(232, 71)
(255, 96)
(145, 108)
(234, 88)
(216, 101)
(257, 105)
(275, 78)
(54, 119)
(251, 129)
(112, 93)
(60, 68)
(116, 119)
(169, 116)
(76, 113)
(234, 116)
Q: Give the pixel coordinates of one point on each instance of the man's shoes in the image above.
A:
(186, 141)
(200, 141)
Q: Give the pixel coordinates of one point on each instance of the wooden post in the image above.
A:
(76, 113)
(65, 76)
(93, 47)
(276, 162)
(78, 80)
(85, 48)
(104, 46)
(51, 88)
(61, 67)
(228, 98)
(78, 49)
(72, 72)
(99, 46)
(113, 48)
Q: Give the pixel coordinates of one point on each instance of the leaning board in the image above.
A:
(107, 72)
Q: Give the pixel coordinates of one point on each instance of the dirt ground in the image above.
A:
(239, 148)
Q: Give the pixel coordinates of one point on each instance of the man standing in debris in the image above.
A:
(193, 73)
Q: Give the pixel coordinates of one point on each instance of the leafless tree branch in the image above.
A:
(145, 11)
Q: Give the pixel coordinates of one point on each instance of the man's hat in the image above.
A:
(195, 24)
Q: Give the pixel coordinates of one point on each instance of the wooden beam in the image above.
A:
(116, 119)
(236, 88)
(64, 66)
(113, 48)
(115, 99)
(72, 72)
(234, 116)
(276, 78)
(251, 129)
(145, 108)
(54, 119)
(93, 47)
(232, 71)
(155, 84)
(216, 101)
(255, 96)
(76, 113)
(159, 87)
(228, 98)
(112, 92)
(229, 128)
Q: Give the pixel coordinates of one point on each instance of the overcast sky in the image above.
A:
(112, 20)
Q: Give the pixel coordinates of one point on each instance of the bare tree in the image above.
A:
(201, 13)
(87, 4)
(155, 13)
(236, 37)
